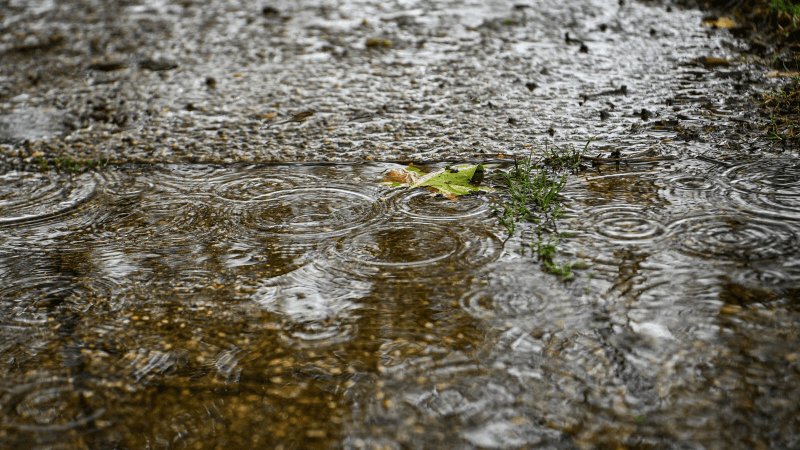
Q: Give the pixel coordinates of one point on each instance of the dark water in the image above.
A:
(221, 305)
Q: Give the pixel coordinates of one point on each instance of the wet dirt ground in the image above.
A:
(231, 281)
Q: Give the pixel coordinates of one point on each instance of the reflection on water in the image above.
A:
(269, 306)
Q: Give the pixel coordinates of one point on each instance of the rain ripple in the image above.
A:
(238, 187)
(770, 189)
(125, 187)
(420, 204)
(311, 212)
(314, 304)
(739, 238)
(189, 175)
(55, 404)
(768, 277)
(429, 249)
(28, 196)
(170, 216)
(517, 292)
(624, 224)
(690, 190)
(35, 299)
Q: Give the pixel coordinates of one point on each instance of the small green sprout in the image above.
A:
(374, 43)
(532, 189)
(73, 165)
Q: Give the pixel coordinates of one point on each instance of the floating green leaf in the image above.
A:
(451, 181)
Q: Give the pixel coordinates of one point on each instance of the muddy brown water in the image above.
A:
(190, 295)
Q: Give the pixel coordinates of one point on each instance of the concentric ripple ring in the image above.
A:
(310, 212)
(767, 190)
(27, 196)
(429, 249)
(626, 224)
(419, 204)
(53, 404)
(741, 238)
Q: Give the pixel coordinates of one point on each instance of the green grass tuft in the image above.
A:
(786, 6)
(72, 165)
(532, 189)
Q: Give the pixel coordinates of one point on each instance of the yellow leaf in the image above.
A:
(775, 73)
(709, 62)
(722, 22)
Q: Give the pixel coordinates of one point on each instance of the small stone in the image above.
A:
(108, 66)
(157, 65)
(710, 63)
(316, 434)
(270, 11)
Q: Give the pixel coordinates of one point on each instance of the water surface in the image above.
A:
(310, 306)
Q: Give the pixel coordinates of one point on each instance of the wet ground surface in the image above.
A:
(191, 82)
(188, 295)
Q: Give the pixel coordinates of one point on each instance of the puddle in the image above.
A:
(311, 306)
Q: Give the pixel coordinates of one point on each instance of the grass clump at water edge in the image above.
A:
(532, 188)
(783, 105)
(790, 7)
